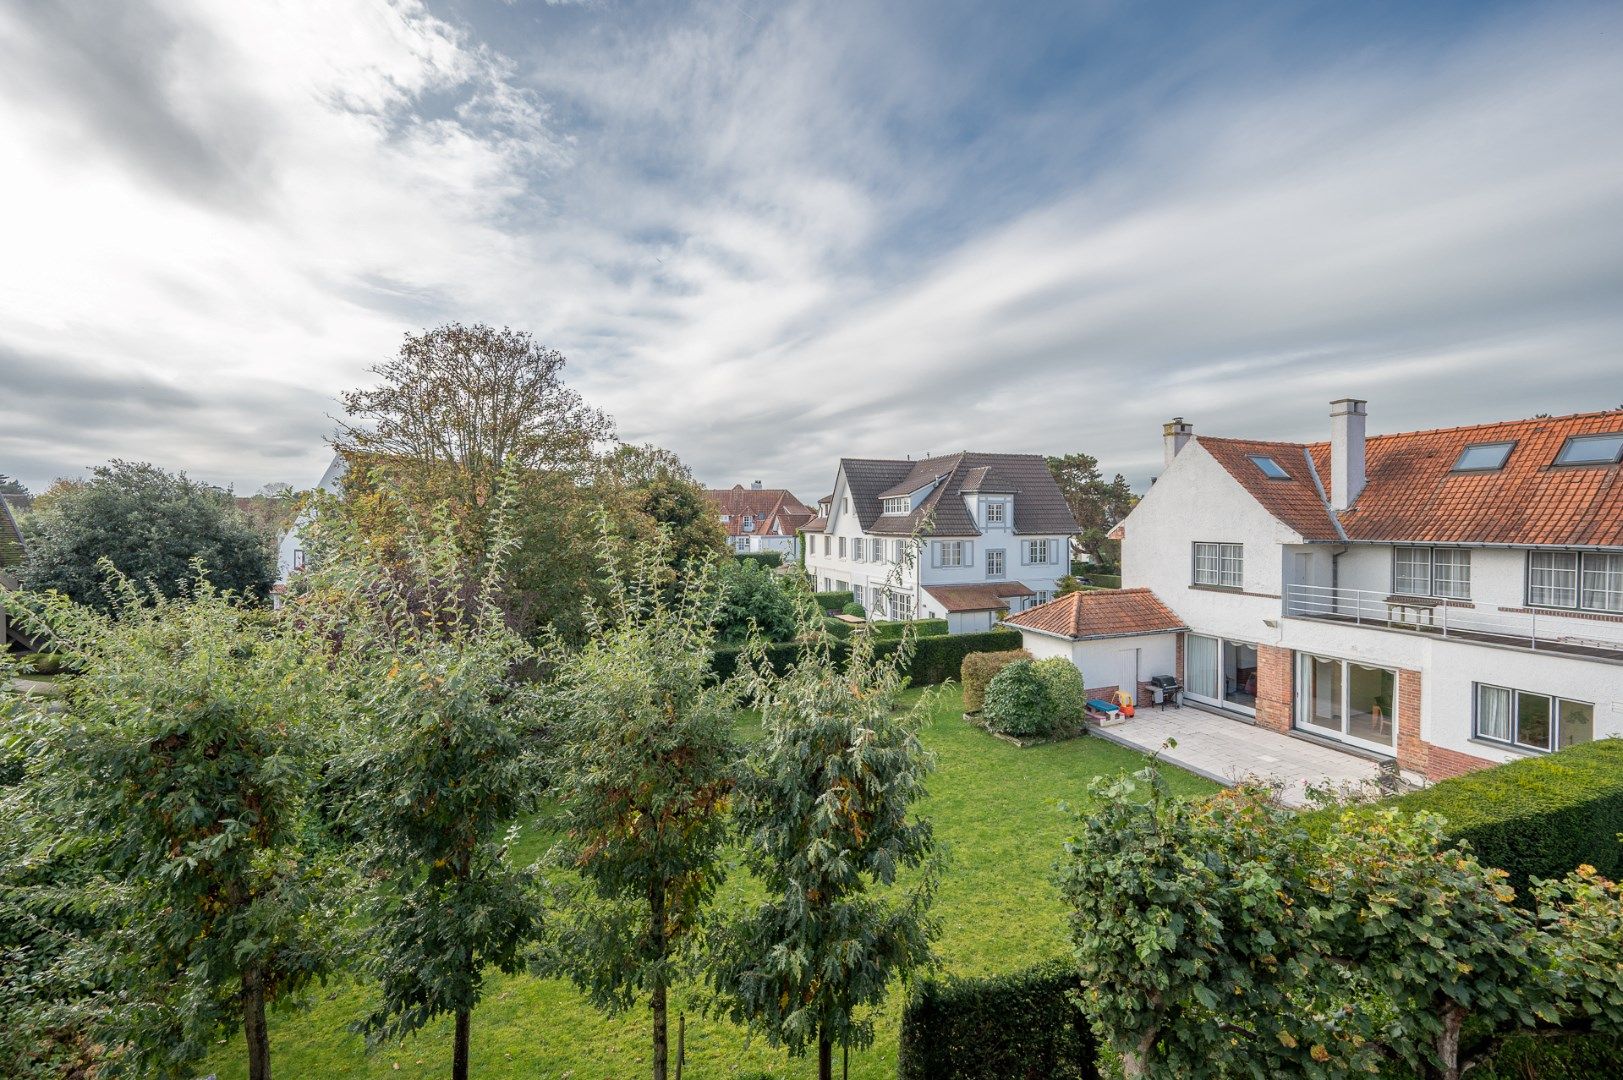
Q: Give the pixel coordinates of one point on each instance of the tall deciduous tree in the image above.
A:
(433, 774)
(1096, 504)
(184, 756)
(825, 812)
(150, 526)
(647, 766)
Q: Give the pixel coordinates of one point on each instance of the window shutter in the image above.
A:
(935, 553)
(1052, 547)
(969, 553)
(1025, 552)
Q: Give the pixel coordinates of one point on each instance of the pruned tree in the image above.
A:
(825, 812)
(646, 767)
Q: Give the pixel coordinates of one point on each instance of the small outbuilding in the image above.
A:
(1119, 638)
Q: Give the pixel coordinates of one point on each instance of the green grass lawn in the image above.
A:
(994, 807)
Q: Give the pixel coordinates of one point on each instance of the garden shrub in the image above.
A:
(1020, 1026)
(977, 670)
(1017, 702)
(833, 602)
(1063, 681)
(768, 560)
(887, 631)
(855, 610)
(839, 628)
(1537, 817)
(1104, 581)
(935, 659)
(43, 663)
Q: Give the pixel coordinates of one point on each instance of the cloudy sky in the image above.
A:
(769, 234)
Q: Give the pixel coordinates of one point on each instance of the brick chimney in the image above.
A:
(1174, 433)
(1347, 417)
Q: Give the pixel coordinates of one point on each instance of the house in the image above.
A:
(290, 548)
(1450, 599)
(964, 537)
(12, 553)
(759, 518)
(1119, 638)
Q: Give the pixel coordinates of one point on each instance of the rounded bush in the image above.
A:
(1063, 680)
(1017, 702)
(854, 609)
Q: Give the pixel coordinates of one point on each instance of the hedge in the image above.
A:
(833, 603)
(1102, 581)
(838, 627)
(887, 631)
(935, 659)
(1537, 817)
(768, 559)
(1021, 1026)
(977, 670)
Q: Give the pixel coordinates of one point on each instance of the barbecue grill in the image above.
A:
(1165, 688)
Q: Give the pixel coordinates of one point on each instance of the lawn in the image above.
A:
(994, 806)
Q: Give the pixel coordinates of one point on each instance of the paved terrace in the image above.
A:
(1229, 751)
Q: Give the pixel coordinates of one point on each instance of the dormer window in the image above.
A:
(1604, 449)
(725, 518)
(996, 513)
(749, 523)
(1483, 457)
(1270, 468)
(899, 505)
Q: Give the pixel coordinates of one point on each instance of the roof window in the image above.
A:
(1483, 457)
(1592, 449)
(1270, 468)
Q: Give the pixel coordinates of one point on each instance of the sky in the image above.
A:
(768, 235)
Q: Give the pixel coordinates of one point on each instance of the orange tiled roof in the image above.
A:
(765, 506)
(1101, 613)
(1297, 501)
(988, 597)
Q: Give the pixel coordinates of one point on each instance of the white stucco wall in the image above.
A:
(292, 541)
(1108, 661)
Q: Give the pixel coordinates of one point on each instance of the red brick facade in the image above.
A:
(1412, 750)
(1276, 671)
(1442, 763)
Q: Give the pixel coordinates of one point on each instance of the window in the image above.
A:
(1219, 564)
(749, 522)
(994, 564)
(1043, 596)
(1037, 551)
(827, 544)
(950, 552)
(1604, 449)
(741, 543)
(1532, 721)
(298, 558)
(996, 513)
(901, 551)
(901, 606)
(725, 518)
(857, 549)
(1483, 457)
(1270, 468)
(1602, 583)
(828, 585)
(1347, 700)
(1421, 571)
(856, 593)
(897, 505)
(1592, 581)
(842, 547)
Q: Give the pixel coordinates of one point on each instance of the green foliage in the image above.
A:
(922, 628)
(937, 659)
(1097, 505)
(838, 628)
(1066, 585)
(753, 596)
(174, 784)
(1018, 702)
(824, 810)
(151, 526)
(833, 603)
(769, 560)
(977, 670)
(1020, 1026)
(1103, 581)
(1538, 817)
(855, 610)
(647, 758)
(1063, 681)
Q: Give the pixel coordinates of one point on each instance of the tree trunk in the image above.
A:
(253, 1024)
(656, 915)
(1448, 1043)
(825, 1058)
(459, 1049)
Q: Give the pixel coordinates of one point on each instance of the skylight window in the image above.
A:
(1270, 468)
(1483, 457)
(1592, 449)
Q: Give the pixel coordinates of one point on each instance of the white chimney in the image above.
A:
(1174, 433)
(1347, 417)
(755, 485)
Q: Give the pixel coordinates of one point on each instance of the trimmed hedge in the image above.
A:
(977, 670)
(1021, 1026)
(833, 603)
(771, 560)
(855, 610)
(1103, 581)
(1537, 817)
(838, 627)
(935, 659)
(889, 631)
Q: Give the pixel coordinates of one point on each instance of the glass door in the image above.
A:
(1221, 673)
(1347, 701)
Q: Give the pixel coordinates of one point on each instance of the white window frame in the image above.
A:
(842, 547)
(1429, 582)
(1554, 584)
(1037, 552)
(1218, 565)
(901, 504)
(298, 558)
(996, 512)
(1600, 587)
(950, 553)
(858, 550)
(1513, 737)
(997, 563)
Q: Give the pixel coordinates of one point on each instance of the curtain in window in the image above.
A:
(1603, 582)
(1493, 712)
(1451, 573)
(1200, 664)
(1411, 571)
(1552, 578)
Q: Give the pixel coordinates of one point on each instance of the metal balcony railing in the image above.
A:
(1548, 632)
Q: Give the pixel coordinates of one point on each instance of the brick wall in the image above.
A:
(1177, 664)
(1413, 752)
(1275, 681)
(1442, 763)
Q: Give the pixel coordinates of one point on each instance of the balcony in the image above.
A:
(1536, 631)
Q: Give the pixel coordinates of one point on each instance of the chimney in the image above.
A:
(1347, 416)
(755, 485)
(1174, 434)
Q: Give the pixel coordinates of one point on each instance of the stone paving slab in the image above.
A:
(1229, 751)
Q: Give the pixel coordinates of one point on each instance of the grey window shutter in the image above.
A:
(935, 553)
(1025, 552)
(969, 553)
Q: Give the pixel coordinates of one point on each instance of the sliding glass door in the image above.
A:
(1221, 673)
(1347, 701)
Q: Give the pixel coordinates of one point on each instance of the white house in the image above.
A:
(290, 548)
(758, 518)
(993, 534)
(1451, 598)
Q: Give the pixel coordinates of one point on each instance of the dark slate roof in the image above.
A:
(1039, 508)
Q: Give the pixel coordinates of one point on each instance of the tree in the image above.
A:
(649, 490)
(151, 526)
(10, 485)
(184, 757)
(433, 772)
(647, 765)
(753, 596)
(1097, 506)
(824, 813)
